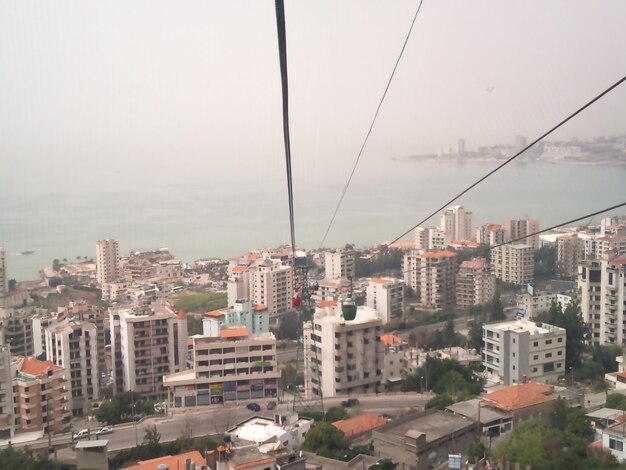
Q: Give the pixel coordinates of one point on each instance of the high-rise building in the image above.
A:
(386, 296)
(456, 224)
(6, 394)
(513, 263)
(339, 264)
(602, 293)
(516, 229)
(107, 261)
(238, 283)
(3, 275)
(16, 330)
(490, 234)
(570, 251)
(343, 357)
(432, 276)
(73, 345)
(475, 285)
(429, 238)
(243, 313)
(143, 349)
(271, 285)
(514, 351)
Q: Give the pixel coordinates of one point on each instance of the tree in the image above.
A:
(475, 335)
(56, 264)
(496, 310)
(387, 464)
(120, 408)
(151, 437)
(577, 330)
(336, 413)
(616, 401)
(439, 402)
(325, 440)
(24, 460)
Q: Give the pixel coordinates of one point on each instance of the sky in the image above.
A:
(190, 89)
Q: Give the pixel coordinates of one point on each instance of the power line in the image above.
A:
(534, 142)
(345, 189)
(282, 52)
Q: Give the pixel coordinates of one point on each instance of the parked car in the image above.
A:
(350, 402)
(271, 405)
(253, 407)
(81, 434)
(104, 430)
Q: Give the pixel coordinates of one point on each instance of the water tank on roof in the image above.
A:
(162, 466)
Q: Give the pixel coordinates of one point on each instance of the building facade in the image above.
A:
(429, 238)
(254, 318)
(432, 276)
(107, 261)
(513, 263)
(515, 229)
(456, 224)
(339, 264)
(490, 234)
(475, 285)
(570, 251)
(7, 418)
(271, 284)
(16, 330)
(520, 350)
(386, 296)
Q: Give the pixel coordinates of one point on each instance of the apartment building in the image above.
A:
(386, 296)
(39, 323)
(429, 238)
(40, 393)
(570, 251)
(343, 357)
(490, 234)
(475, 285)
(6, 394)
(520, 350)
(456, 224)
(602, 293)
(243, 313)
(107, 261)
(535, 302)
(610, 245)
(73, 345)
(395, 350)
(3, 275)
(16, 330)
(432, 276)
(234, 366)
(143, 349)
(513, 263)
(515, 229)
(271, 284)
(339, 264)
(238, 283)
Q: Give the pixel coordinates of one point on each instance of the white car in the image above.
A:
(104, 430)
(81, 434)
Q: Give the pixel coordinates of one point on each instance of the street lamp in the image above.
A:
(133, 406)
(571, 368)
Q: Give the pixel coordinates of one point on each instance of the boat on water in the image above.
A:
(27, 252)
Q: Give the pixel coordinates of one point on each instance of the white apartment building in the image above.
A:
(540, 302)
(73, 345)
(518, 228)
(602, 293)
(271, 285)
(115, 291)
(108, 261)
(456, 224)
(429, 238)
(475, 285)
(231, 367)
(570, 251)
(143, 349)
(514, 351)
(238, 283)
(7, 418)
(386, 296)
(39, 323)
(513, 263)
(490, 234)
(339, 264)
(395, 350)
(343, 357)
(432, 276)
(243, 313)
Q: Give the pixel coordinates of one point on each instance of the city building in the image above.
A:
(602, 294)
(475, 285)
(432, 276)
(490, 234)
(3, 275)
(343, 357)
(238, 283)
(386, 296)
(271, 284)
(40, 395)
(6, 394)
(516, 229)
(613, 439)
(429, 238)
(570, 251)
(107, 261)
(513, 263)
(73, 345)
(143, 349)
(610, 245)
(39, 323)
(533, 302)
(233, 366)
(522, 401)
(16, 330)
(339, 264)
(456, 224)
(395, 350)
(289, 430)
(520, 350)
(242, 313)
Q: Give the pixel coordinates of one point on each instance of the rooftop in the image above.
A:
(519, 396)
(523, 325)
(172, 461)
(32, 366)
(237, 332)
(359, 424)
(434, 423)
(333, 315)
(469, 408)
(389, 339)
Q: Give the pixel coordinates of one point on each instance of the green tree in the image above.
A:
(616, 401)
(11, 458)
(439, 402)
(387, 464)
(475, 335)
(325, 440)
(56, 264)
(496, 309)
(152, 437)
(336, 413)
(119, 409)
(571, 320)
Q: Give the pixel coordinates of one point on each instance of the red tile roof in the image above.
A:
(240, 269)
(438, 254)
(214, 313)
(36, 368)
(238, 332)
(172, 461)
(181, 315)
(359, 424)
(326, 303)
(382, 280)
(390, 339)
(518, 396)
(260, 307)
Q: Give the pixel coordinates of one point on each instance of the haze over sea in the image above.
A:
(198, 215)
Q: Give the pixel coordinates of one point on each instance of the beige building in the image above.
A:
(570, 251)
(107, 261)
(490, 234)
(386, 296)
(6, 394)
(513, 263)
(16, 330)
(432, 276)
(515, 229)
(271, 284)
(520, 350)
(394, 364)
(456, 224)
(343, 357)
(3, 275)
(429, 238)
(475, 285)
(339, 264)
(231, 367)
(40, 395)
(73, 345)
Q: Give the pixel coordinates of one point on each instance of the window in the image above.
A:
(559, 340)
(536, 357)
(535, 343)
(548, 341)
(615, 444)
(548, 355)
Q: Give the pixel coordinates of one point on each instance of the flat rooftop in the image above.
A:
(434, 423)
(523, 325)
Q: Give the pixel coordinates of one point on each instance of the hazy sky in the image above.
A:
(192, 89)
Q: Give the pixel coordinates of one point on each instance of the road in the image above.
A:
(216, 419)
